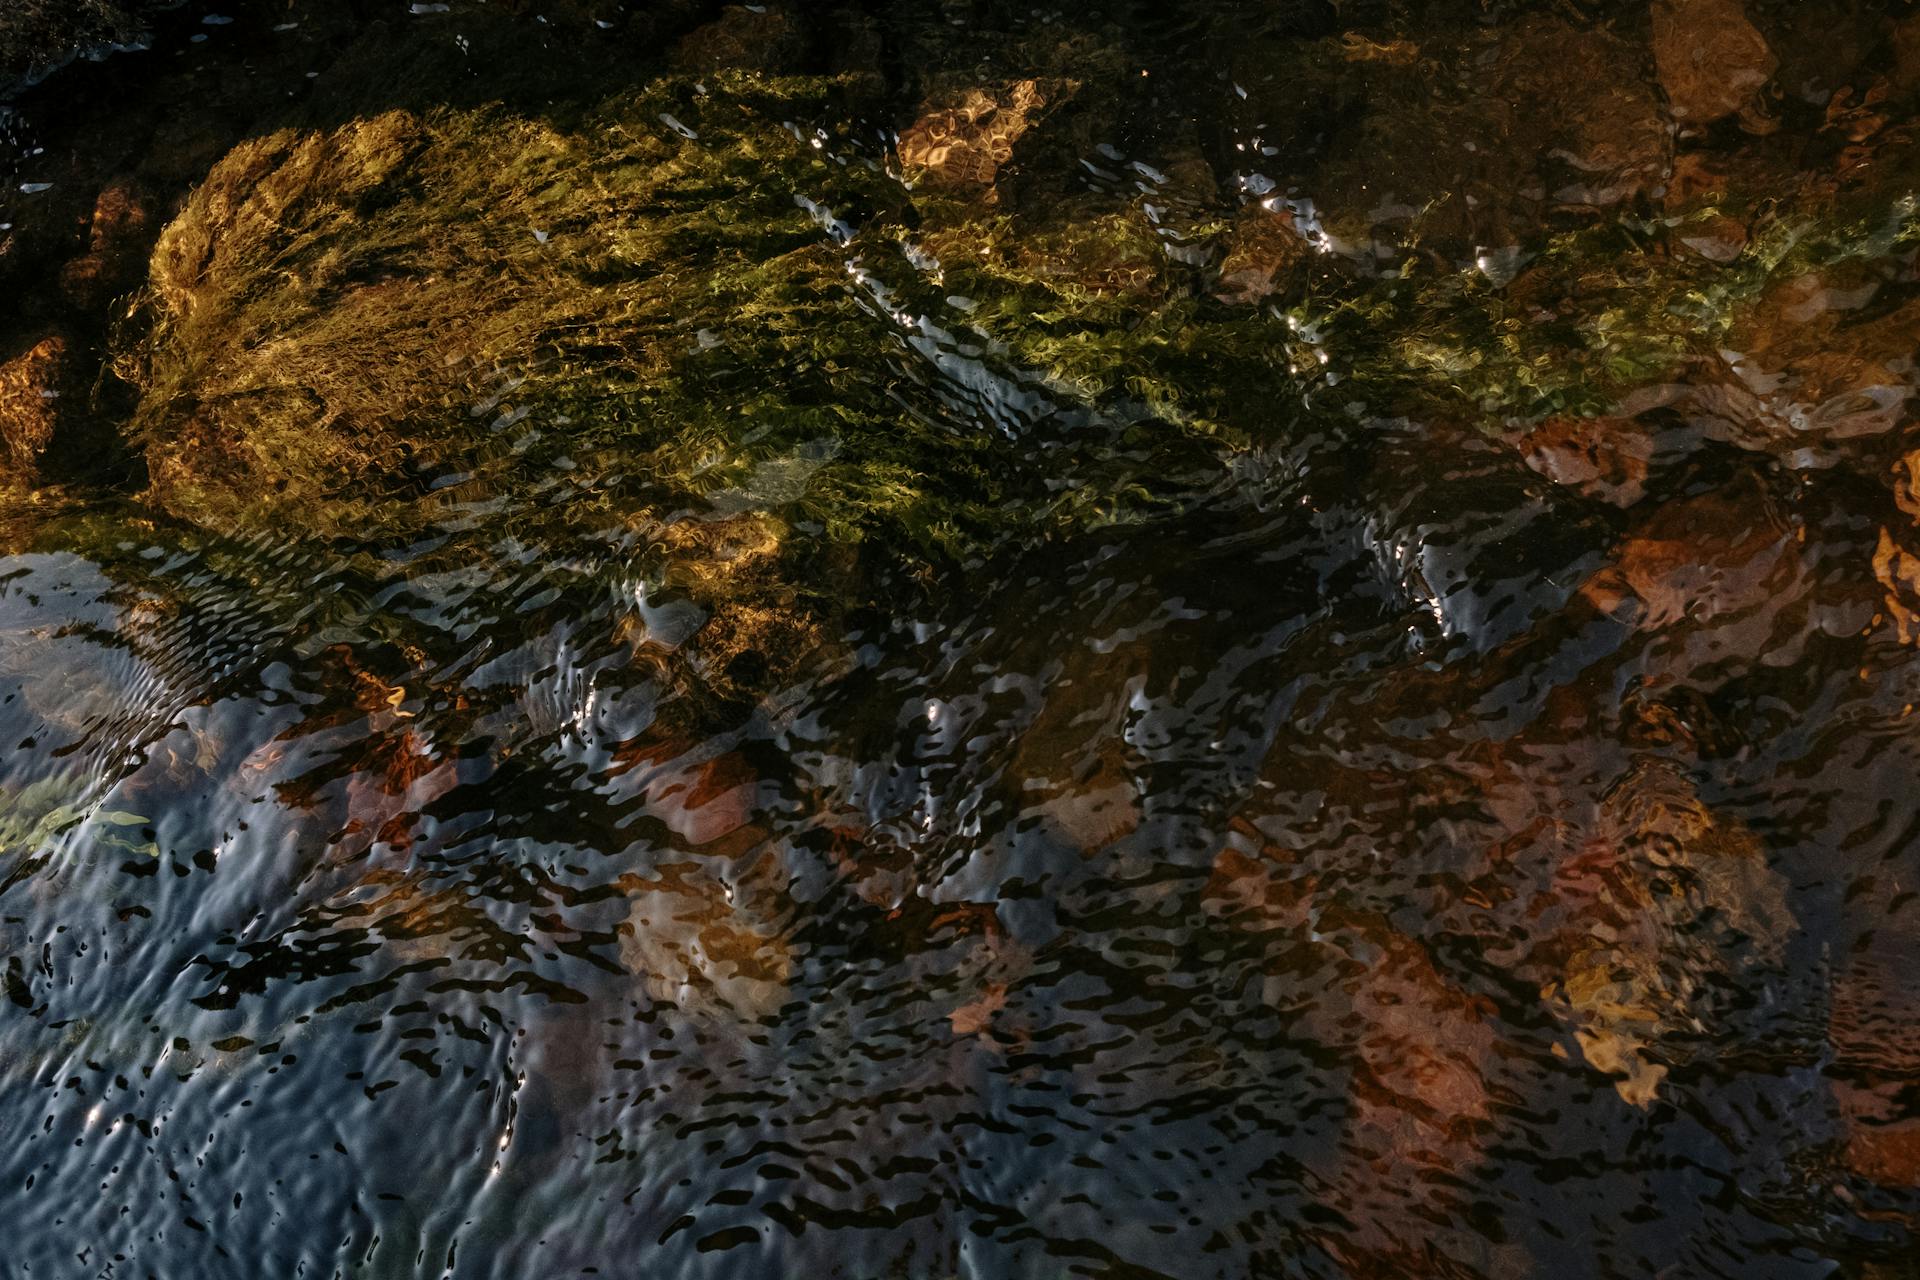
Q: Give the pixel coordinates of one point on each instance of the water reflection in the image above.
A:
(1373, 740)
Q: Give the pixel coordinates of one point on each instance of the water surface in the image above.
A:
(984, 749)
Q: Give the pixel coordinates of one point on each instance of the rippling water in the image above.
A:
(1375, 843)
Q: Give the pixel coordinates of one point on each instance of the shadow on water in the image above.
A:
(933, 640)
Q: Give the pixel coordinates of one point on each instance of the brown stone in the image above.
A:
(1604, 458)
(1603, 125)
(1696, 559)
(964, 141)
(1261, 252)
(1874, 1018)
(120, 234)
(1423, 1045)
(1717, 239)
(1888, 1154)
(709, 946)
(974, 1017)
(1257, 891)
(32, 386)
(122, 213)
(1711, 60)
(1873, 1025)
(1661, 902)
(1093, 815)
(1696, 177)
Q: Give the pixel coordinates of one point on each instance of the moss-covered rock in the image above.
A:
(696, 311)
(32, 386)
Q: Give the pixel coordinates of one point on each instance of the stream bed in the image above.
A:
(939, 638)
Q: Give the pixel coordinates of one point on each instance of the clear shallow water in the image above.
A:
(1384, 849)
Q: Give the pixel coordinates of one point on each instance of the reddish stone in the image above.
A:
(1712, 61)
(1604, 458)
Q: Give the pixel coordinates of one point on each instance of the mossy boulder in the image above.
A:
(698, 324)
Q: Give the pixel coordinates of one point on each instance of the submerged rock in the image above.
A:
(1470, 148)
(743, 38)
(964, 141)
(1672, 907)
(1697, 559)
(1874, 1028)
(342, 315)
(1604, 458)
(1712, 60)
(710, 946)
(1425, 1046)
(1421, 1104)
(1261, 252)
(36, 35)
(120, 234)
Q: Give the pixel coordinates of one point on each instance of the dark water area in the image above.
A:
(961, 640)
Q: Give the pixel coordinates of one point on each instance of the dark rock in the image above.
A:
(1905, 43)
(1477, 142)
(37, 35)
(1823, 47)
(763, 39)
(121, 235)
